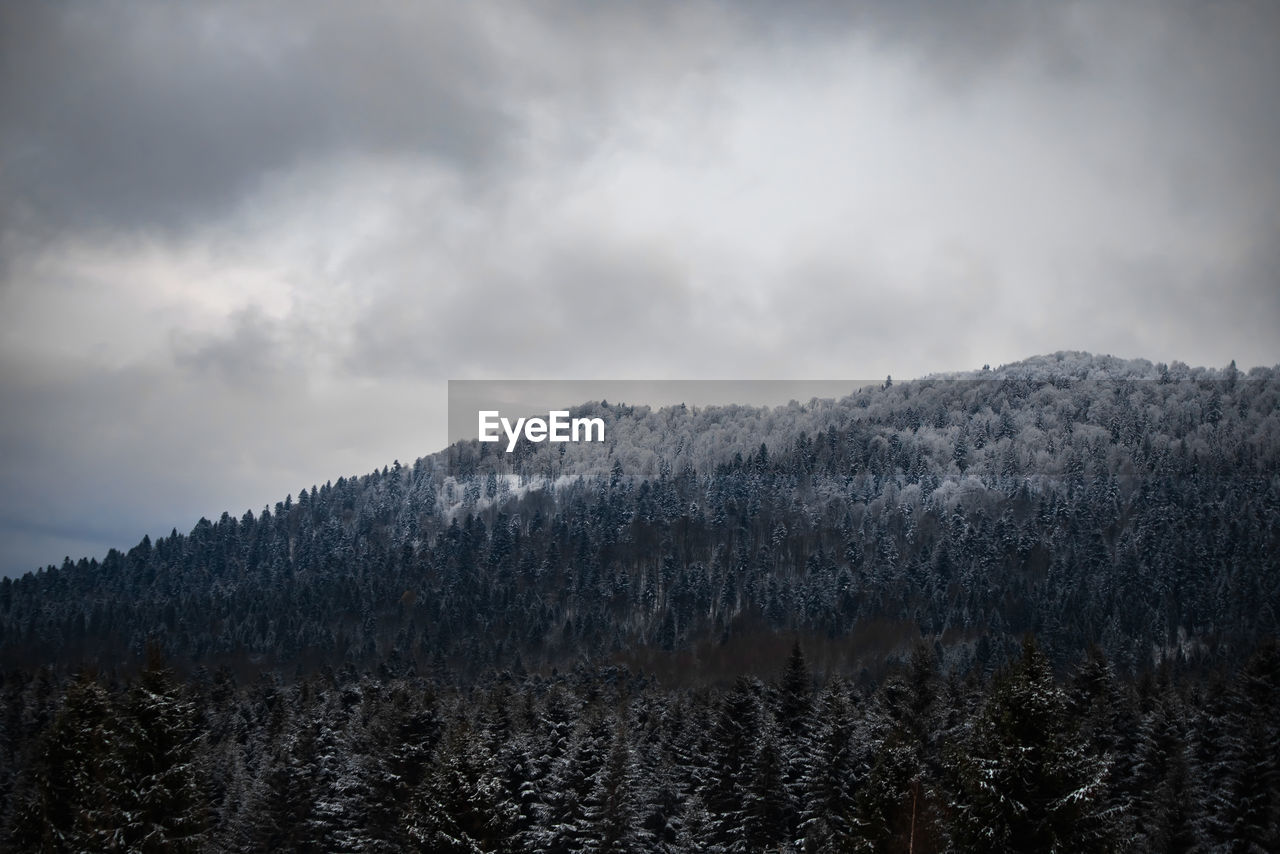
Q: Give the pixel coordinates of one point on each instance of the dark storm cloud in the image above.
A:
(140, 115)
(147, 114)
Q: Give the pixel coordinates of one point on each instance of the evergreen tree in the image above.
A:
(897, 804)
(461, 805)
(280, 800)
(612, 817)
(1027, 780)
(767, 814)
(69, 801)
(733, 747)
(794, 732)
(158, 764)
(1248, 805)
(1165, 809)
(830, 783)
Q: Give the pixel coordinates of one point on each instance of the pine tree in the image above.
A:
(733, 737)
(612, 817)
(1108, 718)
(794, 730)
(280, 799)
(827, 821)
(1248, 806)
(1166, 808)
(766, 813)
(69, 804)
(343, 802)
(158, 760)
(1027, 780)
(898, 801)
(400, 738)
(461, 806)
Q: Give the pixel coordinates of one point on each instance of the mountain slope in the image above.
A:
(830, 626)
(1083, 498)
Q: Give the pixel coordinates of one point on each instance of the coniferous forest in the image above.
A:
(1024, 609)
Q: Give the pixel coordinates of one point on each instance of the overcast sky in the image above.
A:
(244, 245)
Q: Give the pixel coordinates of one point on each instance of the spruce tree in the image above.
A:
(612, 814)
(1028, 782)
(69, 802)
(158, 762)
(827, 820)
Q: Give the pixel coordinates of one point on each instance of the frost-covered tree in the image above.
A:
(1247, 806)
(158, 761)
(71, 790)
(1027, 781)
(612, 812)
(828, 822)
(461, 805)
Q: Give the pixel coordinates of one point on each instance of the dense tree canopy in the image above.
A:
(725, 629)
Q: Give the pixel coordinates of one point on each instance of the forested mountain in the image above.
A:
(805, 628)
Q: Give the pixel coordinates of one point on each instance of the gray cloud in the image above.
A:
(583, 308)
(146, 114)
(242, 246)
(250, 354)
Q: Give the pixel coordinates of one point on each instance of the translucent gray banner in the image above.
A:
(537, 399)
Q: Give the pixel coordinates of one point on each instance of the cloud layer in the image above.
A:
(242, 246)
